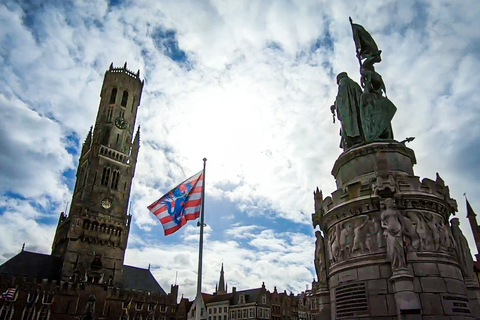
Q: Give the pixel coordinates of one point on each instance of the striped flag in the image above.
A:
(181, 204)
(9, 294)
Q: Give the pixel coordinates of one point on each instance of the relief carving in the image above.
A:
(319, 260)
(393, 233)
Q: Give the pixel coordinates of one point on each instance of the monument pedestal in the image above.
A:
(389, 246)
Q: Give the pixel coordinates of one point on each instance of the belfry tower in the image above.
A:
(92, 239)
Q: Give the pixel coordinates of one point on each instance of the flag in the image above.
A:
(470, 211)
(181, 204)
(9, 294)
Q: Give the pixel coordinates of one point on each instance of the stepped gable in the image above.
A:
(140, 279)
(32, 265)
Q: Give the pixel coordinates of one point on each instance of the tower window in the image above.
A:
(115, 178)
(133, 102)
(86, 224)
(124, 98)
(110, 113)
(106, 176)
(113, 96)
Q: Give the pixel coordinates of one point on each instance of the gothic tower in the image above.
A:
(92, 239)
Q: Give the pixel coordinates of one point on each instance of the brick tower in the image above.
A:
(92, 239)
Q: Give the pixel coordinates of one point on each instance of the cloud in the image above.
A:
(248, 85)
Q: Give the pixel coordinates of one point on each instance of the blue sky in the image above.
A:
(247, 84)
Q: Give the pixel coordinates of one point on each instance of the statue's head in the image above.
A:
(455, 222)
(389, 203)
(340, 76)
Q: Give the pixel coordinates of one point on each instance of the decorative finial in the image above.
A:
(149, 266)
(23, 247)
(111, 66)
(125, 65)
(138, 73)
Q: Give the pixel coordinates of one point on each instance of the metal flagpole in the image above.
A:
(198, 300)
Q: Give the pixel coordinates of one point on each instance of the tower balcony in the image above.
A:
(114, 155)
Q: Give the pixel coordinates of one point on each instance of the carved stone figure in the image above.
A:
(392, 227)
(347, 106)
(317, 217)
(334, 244)
(360, 236)
(433, 226)
(320, 263)
(346, 240)
(410, 230)
(462, 249)
(379, 238)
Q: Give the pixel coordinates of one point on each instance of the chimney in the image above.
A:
(234, 289)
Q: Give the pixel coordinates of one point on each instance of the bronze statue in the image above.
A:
(366, 115)
(347, 106)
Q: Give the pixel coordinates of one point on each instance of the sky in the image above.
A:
(246, 84)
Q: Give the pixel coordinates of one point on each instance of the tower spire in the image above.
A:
(221, 283)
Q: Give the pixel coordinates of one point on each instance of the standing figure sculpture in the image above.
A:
(347, 107)
(392, 230)
(462, 249)
(319, 260)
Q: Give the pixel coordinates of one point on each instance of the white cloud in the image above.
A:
(252, 98)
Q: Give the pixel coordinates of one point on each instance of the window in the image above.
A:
(124, 316)
(267, 314)
(201, 312)
(133, 102)
(244, 313)
(110, 113)
(124, 98)
(214, 310)
(264, 299)
(115, 178)
(44, 313)
(239, 314)
(163, 308)
(138, 316)
(260, 312)
(151, 316)
(150, 306)
(214, 317)
(28, 313)
(113, 96)
(6, 312)
(252, 313)
(241, 299)
(139, 306)
(225, 317)
(210, 311)
(106, 176)
(232, 314)
(224, 309)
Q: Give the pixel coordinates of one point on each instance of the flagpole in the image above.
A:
(200, 250)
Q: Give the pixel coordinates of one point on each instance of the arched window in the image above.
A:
(133, 102)
(124, 98)
(86, 224)
(113, 96)
(124, 315)
(28, 313)
(6, 312)
(106, 176)
(94, 226)
(44, 313)
(115, 178)
(110, 113)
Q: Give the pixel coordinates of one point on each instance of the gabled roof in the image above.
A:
(140, 279)
(251, 295)
(221, 297)
(33, 266)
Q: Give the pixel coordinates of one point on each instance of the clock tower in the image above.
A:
(92, 238)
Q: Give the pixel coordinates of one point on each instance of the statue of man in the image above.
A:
(347, 106)
(392, 230)
(319, 260)
(463, 251)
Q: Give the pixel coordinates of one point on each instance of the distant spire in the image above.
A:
(221, 283)
(23, 247)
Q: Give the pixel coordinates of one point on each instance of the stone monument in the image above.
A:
(385, 249)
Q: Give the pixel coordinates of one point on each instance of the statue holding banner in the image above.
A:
(366, 115)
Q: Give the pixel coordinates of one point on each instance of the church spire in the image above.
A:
(221, 283)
